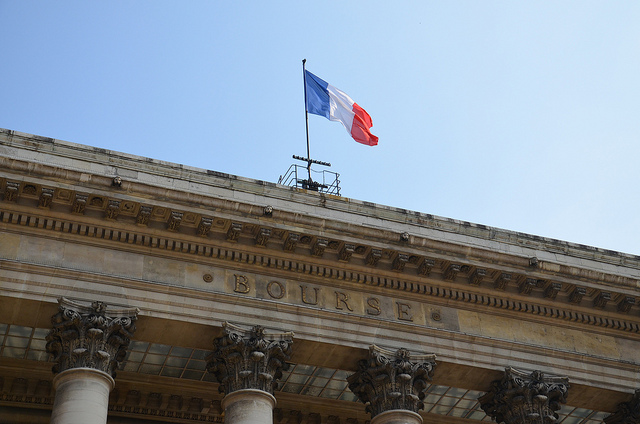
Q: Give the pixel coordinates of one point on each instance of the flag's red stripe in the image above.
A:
(360, 127)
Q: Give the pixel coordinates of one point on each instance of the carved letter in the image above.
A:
(403, 311)
(304, 296)
(242, 284)
(374, 306)
(279, 292)
(342, 297)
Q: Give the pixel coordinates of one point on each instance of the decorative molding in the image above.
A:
(175, 219)
(577, 294)
(113, 210)
(291, 242)
(246, 359)
(451, 272)
(623, 303)
(79, 204)
(262, 238)
(627, 412)
(90, 336)
(204, 227)
(143, 215)
(626, 303)
(525, 398)
(46, 196)
(345, 253)
(477, 276)
(389, 380)
(399, 262)
(233, 233)
(502, 281)
(373, 257)
(11, 191)
(319, 246)
(552, 290)
(425, 267)
(601, 300)
(527, 285)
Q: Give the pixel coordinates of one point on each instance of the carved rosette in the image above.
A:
(246, 359)
(90, 336)
(390, 380)
(627, 412)
(523, 398)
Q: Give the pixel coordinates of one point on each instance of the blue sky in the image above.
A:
(518, 115)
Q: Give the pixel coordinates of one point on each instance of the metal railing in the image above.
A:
(325, 181)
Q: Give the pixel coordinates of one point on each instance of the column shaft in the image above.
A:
(248, 406)
(397, 416)
(82, 396)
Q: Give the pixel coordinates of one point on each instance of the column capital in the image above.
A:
(249, 359)
(627, 412)
(521, 397)
(90, 336)
(391, 380)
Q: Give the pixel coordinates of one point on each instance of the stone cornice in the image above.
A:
(547, 296)
(31, 148)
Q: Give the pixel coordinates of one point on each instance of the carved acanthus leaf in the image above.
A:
(345, 253)
(392, 380)
(451, 272)
(234, 231)
(373, 257)
(478, 275)
(113, 209)
(90, 336)
(523, 398)
(175, 219)
(291, 242)
(502, 282)
(319, 246)
(552, 290)
(399, 262)
(79, 204)
(204, 226)
(426, 266)
(263, 237)
(11, 192)
(46, 196)
(246, 359)
(143, 215)
(577, 294)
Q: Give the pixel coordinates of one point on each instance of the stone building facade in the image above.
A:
(139, 291)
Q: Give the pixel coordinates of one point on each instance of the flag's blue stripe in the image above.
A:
(317, 95)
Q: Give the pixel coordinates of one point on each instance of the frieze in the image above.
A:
(620, 303)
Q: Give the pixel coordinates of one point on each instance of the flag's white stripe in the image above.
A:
(341, 107)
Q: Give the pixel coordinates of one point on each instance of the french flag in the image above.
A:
(325, 100)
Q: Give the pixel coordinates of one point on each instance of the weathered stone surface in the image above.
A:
(90, 336)
(523, 398)
(246, 359)
(390, 380)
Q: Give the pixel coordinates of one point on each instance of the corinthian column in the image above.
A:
(248, 365)
(525, 398)
(87, 343)
(392, 384)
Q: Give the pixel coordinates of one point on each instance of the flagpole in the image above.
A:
(306, 116)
